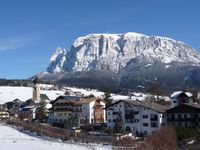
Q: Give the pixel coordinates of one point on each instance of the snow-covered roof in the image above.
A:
(177, 93)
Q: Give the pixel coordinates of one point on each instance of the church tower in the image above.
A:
(36, 89)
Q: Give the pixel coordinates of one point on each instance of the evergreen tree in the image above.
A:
(119, 123)
(41, 111)
(108, 99)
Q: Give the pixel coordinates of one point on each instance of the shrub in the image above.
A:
(164, 139)
(187, 133)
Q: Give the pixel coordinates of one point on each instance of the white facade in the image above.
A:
(136, 118)
(83, 109)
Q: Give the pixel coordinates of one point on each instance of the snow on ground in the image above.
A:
(9, 93)
(148, 65)
(12, 139)
(115, 97)
(86, 92)
(167, 66)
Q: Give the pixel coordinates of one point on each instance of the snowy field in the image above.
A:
(115, 97)
(12, 139)
(9, 93)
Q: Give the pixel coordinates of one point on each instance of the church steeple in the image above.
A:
(36, 89)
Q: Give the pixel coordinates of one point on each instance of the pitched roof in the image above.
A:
(44, 97)
(150, 105)
(67, 98)
(86, 100)
(193, 105)
(185, 108)
(178, 93)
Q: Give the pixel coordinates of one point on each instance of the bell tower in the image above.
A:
(36, 89)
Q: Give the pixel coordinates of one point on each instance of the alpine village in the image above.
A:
(100, 75)
(124, 123)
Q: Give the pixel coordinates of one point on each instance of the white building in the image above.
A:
(67, 109)
(180, 97)
(136, 116)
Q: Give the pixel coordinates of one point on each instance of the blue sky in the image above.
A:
(31, 30)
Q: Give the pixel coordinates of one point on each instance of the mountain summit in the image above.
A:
(125, 61)
(113, 52)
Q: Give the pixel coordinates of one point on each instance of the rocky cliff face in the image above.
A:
(113, 52)
(125, 61)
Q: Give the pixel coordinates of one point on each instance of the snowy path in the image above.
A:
(13, 139)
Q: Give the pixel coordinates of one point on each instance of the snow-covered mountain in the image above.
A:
(57, 60)
(113, 52)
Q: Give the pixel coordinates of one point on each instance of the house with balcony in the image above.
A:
(183, 112)
(4, 114)
(70, 111)
(180, 97)
(185, 115)
(138, 117)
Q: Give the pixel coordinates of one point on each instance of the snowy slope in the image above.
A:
(9, 93)
(114, 51)
(115, 97)
(11, 139)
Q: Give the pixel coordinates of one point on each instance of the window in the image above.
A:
(115, 113)
(114, 120)
(145, 116)
(108, 113)
(109, 120)
(145, 132)
(179, 116)
(120, 105)
(136, 120)
(154, 124)
(154, 117)
(127, 129)
(136, 112)
(145, 124)
(185, 116)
